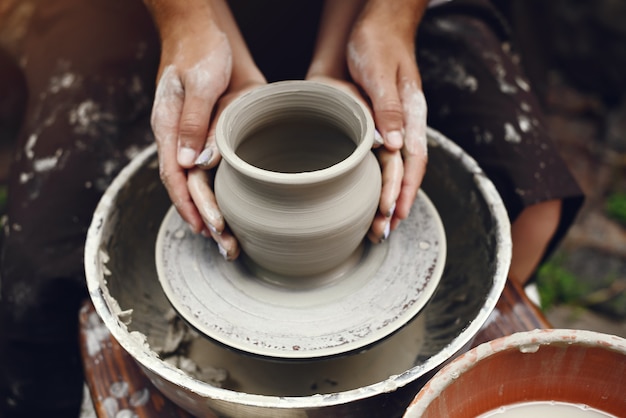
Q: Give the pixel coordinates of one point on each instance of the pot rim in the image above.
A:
(284, 88)
(136, 345)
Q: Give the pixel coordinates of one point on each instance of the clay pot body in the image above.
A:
(298, 184)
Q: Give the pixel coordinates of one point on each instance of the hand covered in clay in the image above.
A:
(204, 66)
(200, 180)
(381, 60)
(195, 70)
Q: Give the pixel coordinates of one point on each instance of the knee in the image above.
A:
(531, 234)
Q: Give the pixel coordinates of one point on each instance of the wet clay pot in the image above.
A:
(298, 184)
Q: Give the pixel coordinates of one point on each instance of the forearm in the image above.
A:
(245, 70)
(175, 17)
(382, 63)
(400, 16)
(329, 56)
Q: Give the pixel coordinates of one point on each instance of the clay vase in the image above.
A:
(298, 184)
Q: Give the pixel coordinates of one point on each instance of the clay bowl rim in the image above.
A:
(254, 98)
(136, 345)
(519, 341)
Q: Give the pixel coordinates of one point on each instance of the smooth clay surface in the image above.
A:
(298, 184)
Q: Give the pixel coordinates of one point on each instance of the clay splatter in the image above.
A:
(524, 123)
(481, 135)
(25, 177)
(30, 144)
(522, 84)
(175, 352)
(119, 389)
(111, 407)
(88, 118)
(47, 163)
(415, 110)
(458, 76)
(126, 413)
(450, 72)
(500, 73)
(63, 81)
(139, 398)
(511, 134)
(96, 334)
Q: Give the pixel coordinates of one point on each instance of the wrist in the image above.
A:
(401, 16)
(175, 18)
(329, 57)
(328, 66)
(244, 74)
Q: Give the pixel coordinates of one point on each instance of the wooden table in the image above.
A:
(118, 386)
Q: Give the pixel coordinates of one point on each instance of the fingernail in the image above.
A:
(395, 139)
(205, 157)
(205, 233)
(391, 211)
(378, 138)
(212, 228)
(186, 156)
(222, 251)
(387, 231)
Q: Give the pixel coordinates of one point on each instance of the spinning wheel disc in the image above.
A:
(374, 294)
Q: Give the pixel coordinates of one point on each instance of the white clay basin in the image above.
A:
(379, 381)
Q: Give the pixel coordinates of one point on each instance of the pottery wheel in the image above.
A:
(379, 290)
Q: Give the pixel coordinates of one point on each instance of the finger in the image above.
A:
(199, 185)
(167, 107)
(175, 182)
(415, 111)
(388, 112)
(414, 169)
(227, 244)
(380, 229)
(210, 156)
(392, 174)
(200, 97)
(415, 150)
(392, 169)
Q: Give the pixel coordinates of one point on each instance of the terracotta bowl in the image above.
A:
(581, 370)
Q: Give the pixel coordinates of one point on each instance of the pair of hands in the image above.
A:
(204, 67)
